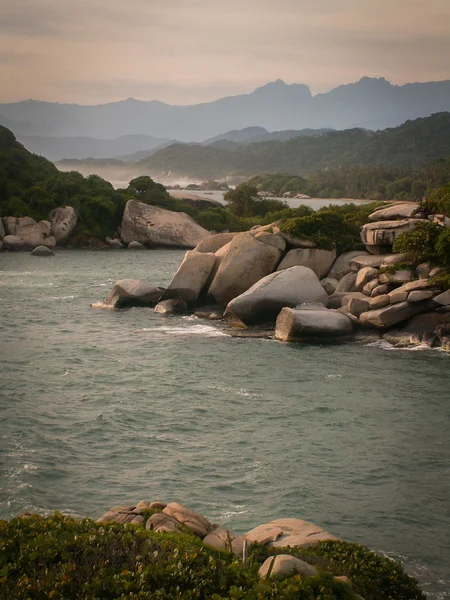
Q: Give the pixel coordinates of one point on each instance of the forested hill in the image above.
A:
(409, 145)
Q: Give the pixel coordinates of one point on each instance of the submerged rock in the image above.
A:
(132, 292)
(265, 299)
(171, 307)
(134, 245)
(42, 251)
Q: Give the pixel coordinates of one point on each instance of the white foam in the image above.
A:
(62, 297)
(384, 345)
(201, 330)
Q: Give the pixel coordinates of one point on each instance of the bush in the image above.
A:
(327, 229)
(59, 557)
(420, 242)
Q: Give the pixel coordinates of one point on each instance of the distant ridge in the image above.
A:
(369, 103)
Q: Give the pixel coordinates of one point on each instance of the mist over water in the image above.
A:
(101, 407)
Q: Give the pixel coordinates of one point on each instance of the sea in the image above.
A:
(103, 407)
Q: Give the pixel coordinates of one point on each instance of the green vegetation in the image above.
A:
(427, 242)
(59, 557)
(405, 147)
(244, 202)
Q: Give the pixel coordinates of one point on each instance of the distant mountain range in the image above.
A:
(369, 104)
(411, 144)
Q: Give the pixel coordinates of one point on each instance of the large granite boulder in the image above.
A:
(392, 314)
(418, 330)
(63, 220)
(265, 299)
(341, 265)
(13, 243)
(190, 519)
(191, 277)
(215, 242)
(247, 260)
(365, 275)
(132, 292)
(154, 226)
(365, 260)
(347, 283)
(403, 210)
(319, 261)
(311, 322)
(33, 234)
(383, 233)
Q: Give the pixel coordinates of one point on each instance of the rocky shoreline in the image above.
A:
(267, 283)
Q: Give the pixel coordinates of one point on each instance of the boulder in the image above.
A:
(215, 242)
(347, 283)
(339, 299)
(435, 271)
(403, 210)
(294, 532)
(311, 322)
(247, 261)
(156, 226)
(33, 234)
(329, 284)
(265, 299)
(223, 539)
(190, 519)
(132, 292)
(443, 299)
(365, 275)
(212, 312)
(401, 276)
(63, 221)
(383, 233)
(14, 243)
(294, 242)
(191, 277)
(379, 301)
(383, 288)
(115, 244)
(286, 565)
(392, 314)
(370, 286)
(398, 295)
(320, 261)
(274, 239)
(420, 295)
(2, 229)
(357, 306)
(365, 260)
(341, 265)
(171, 307)
(42, 251)
(418, 330)
(396, 259)
(417, 284)
(134, 245)
(423, 270)
(122, 515)
(161, 522)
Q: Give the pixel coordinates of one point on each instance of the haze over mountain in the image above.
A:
(369, 103)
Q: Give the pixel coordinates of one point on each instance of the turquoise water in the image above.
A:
(99, 408)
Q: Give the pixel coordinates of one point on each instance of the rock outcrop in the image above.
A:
(215, 242)
(266, 298)
(63, 221)
(154, 226)
(402, 210)
(383, 233)
(285, 565)
(31, 233)
(14, 243)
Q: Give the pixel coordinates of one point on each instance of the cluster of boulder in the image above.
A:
(266, 276)
(281, 533)
(24, 233)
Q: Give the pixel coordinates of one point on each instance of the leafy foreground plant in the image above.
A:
(62, 558)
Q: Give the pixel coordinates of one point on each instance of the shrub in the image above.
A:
(327, 229)
(59, 557)
(420, 242)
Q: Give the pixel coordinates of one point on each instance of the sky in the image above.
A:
(190, 51)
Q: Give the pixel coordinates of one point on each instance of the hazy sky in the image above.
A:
(186, 51)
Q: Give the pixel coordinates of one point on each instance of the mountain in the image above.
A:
(368, 103)
(249, 135)
(413, 143)
(57, 148)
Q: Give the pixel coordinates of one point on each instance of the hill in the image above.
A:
(411, 144)
(368, 103)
